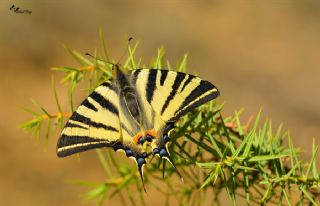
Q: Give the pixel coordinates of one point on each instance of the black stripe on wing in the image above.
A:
(135, 76)
(203, 100)
(67, 140)
(106, 84)
(106, 104)
(179, 78)
(164, 74)
(190, 77)
(110, 86)
(188, 103)
(151, 84)
(87, 104)
(88, 143)
(80, 118)
(69, 124)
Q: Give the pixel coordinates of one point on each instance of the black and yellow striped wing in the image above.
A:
(134, 113)
(172, 94)
(94, 124)
(167, 96)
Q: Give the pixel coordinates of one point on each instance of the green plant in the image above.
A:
(212, 153)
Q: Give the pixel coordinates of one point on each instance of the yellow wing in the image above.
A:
(166, 96)
(172, 94)
(94, 124)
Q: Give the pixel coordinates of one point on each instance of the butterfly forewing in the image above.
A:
(94, 124)
(173, 94)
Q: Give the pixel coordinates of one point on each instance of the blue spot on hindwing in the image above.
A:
(140, 161)
(144, 155)
(165, 138)
(129, 153)
(155, 151)
(163, 152)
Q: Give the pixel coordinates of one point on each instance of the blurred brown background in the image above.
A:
(259, 54)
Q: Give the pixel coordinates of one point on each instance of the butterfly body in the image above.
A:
(134, 112)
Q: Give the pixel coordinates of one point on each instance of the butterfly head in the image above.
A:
(115, 68)
(118, 71)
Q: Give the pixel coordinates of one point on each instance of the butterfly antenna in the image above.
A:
(125, 51)
(90, 55)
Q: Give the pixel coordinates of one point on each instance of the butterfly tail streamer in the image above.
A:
(140, 169)
(141, 163)
(170, 160)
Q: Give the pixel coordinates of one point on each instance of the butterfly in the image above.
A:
(134, 112)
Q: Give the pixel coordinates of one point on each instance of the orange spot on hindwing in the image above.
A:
(143, 134)
(137, 137)
(152, 133)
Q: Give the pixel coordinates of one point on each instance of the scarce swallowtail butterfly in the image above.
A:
(134, 112)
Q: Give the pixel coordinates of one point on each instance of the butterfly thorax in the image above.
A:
(128, 97)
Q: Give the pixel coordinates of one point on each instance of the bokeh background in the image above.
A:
(259, 54)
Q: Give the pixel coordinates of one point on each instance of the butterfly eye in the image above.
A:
(129, 153)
